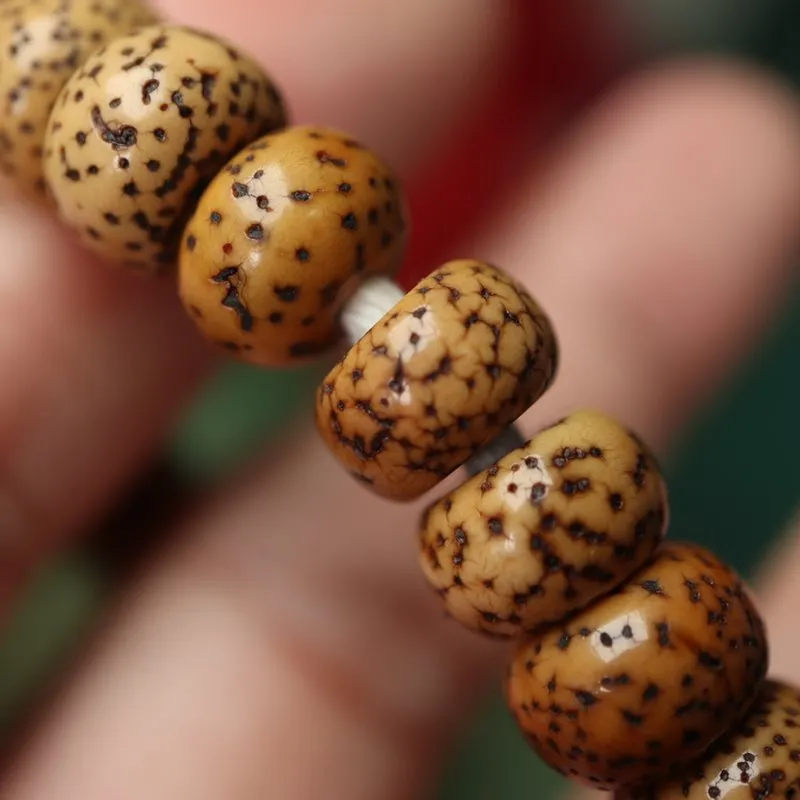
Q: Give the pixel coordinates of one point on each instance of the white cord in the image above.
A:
(373, 299)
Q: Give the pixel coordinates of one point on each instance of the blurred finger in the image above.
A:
(106, 361)
(290, 649)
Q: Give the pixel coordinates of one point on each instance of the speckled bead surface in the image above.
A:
(645, 678)
(139, 131)
(446, 370)
(282, 238)
(44, 42)
(758, 758)
(551, 526)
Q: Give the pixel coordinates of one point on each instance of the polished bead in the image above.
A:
(759, 757)
(545, 530)
(141, 128)
(283, 237)
(644, 679)
(44, 43)
(446, 370)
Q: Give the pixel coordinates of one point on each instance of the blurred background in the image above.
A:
(706, 470)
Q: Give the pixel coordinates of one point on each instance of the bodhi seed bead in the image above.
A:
(548, 528)
(141, 128)
(446, 370)
(44, 42)
(759, 757)
(644, 679)
(283, 237)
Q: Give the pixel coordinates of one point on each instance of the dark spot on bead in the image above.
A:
(606, 640)
(538, 492)
(215, 218)
(300, 196)
(191, 242)
(495, 526)
(287, 293)
(345, 188)
(301, 254)
(652, 587)
(662, 628)
(326, 158)
(160, 134)
(275, 317)
(350, 222)
(130, 189)
(239, 190)
(153, 165)
(616, 502)
(651, 692)
(255, 232)
(586, 699)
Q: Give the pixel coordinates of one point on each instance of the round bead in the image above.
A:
(547, 529)
(759, 757)
(44, 42)
(141, 128)
(444, 372)
(645, 678)
(282, 238)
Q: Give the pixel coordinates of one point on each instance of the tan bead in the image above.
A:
(644, 679)
(547, 529)
(759, 757)
(444, 372)
(282, 238)
(44, 42)
(141, 128)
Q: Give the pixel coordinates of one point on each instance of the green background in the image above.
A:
(734, 484)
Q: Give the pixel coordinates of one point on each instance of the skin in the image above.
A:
(447, 369)
(233, 699)
(283, 237)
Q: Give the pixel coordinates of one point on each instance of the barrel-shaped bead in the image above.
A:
(759, 757)
(283, 237)
(547, 529)
(140, 129)
(643, 680)
(44, 43)
(453, 364)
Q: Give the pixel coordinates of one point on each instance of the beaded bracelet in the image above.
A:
(639, 667)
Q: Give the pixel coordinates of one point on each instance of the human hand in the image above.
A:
(287, 647)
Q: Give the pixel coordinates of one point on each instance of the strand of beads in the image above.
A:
(638, 666)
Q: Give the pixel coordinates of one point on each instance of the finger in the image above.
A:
(106, 361)
(289, 649)
(779, 594)
(394, 74)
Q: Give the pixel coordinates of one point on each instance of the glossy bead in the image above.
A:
(444, 372)
(141, 128)
(282, 238)
(44, 42)
(551, 526)
(759, 757)
(644, 679)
